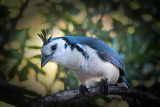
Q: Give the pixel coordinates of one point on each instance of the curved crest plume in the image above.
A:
(43, 36)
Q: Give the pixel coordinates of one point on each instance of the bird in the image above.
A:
(89, 58)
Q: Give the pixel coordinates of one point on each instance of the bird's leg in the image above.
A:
(83, 90)
(104, 88)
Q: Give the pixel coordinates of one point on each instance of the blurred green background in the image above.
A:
(130, 27)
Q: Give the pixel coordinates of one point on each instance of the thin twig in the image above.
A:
(100, 19)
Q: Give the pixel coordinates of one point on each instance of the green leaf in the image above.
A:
(13, 71)
(37, 56)
(34, 47)
(23, 74)
(12, 53)
(34, 66)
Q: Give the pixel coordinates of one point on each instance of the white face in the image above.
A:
(52, 50)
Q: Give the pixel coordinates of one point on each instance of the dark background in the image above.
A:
(130, 27)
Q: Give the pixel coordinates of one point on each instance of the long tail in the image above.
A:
(129, 86)
(131, 101)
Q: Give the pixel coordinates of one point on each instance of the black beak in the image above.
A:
(45, 59)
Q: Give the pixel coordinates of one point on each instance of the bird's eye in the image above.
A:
(54, 47)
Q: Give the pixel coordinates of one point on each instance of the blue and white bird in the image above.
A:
(89, 58)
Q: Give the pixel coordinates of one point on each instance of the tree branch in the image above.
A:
(15, 95)
(9, 32)
(72, 94)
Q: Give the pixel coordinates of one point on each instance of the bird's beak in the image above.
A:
(45, 59)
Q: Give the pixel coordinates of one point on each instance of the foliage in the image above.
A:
(130, 27)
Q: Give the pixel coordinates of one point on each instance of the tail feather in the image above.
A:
(129, 86)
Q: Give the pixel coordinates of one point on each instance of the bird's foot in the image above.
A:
(83, 90)
(104, 88)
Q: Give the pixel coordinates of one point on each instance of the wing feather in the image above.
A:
(104, 51)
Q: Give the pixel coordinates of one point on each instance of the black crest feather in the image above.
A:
(43, 35)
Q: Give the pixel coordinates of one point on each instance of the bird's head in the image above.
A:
(52, 48)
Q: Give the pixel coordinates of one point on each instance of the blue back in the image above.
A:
(104, 51)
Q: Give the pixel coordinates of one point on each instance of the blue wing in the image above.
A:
(104, 51)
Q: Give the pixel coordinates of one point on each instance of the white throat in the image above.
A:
(72, 59)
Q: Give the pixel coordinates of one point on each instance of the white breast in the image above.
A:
(87, 70)
(95, 69)
(71, 59)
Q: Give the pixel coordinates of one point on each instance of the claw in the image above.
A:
(83, 90)
(104, 88)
